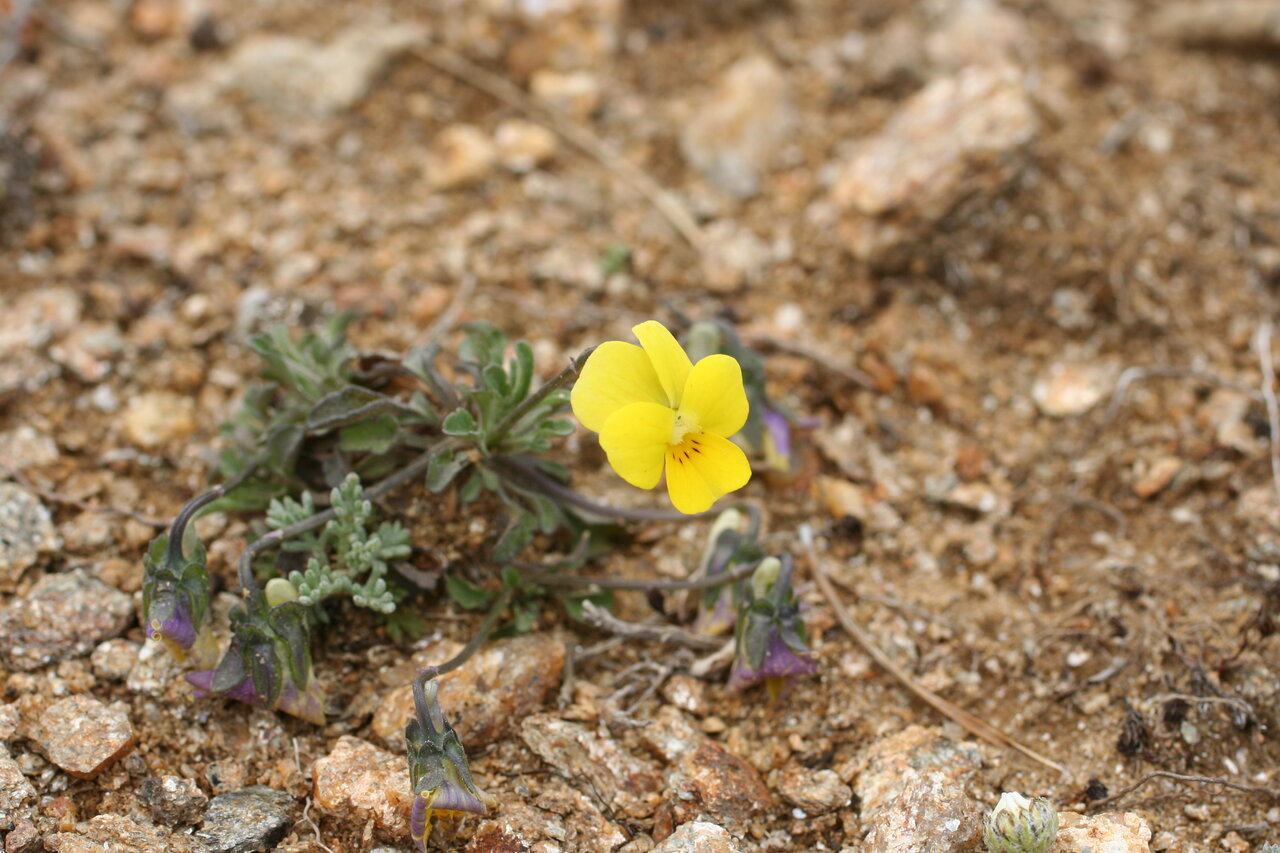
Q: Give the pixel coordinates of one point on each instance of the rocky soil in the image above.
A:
(1017, 259)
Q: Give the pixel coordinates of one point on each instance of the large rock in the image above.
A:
(248, 820)
(714, 782)
(486, 697)
(82, 736)
(734, 135)
(929, 815)
(886, 766)
(63, 616)
(357, 781)
(1104, 833)
(959, 137)
(26, 532)
(617, 777)
(293, 77)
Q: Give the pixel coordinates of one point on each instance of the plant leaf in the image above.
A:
(459, 422)
(348, 405)
(467, 595)
(444, 467)
(373, 436)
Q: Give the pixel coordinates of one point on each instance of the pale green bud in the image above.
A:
(764, 576)
(1020, 825)
(279, 591)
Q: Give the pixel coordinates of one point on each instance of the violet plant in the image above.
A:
(328, 421)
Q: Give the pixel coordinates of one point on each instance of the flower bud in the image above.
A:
(1020, 825)
(438, 769)
(268, 664)
(770, 641)
(175, 601)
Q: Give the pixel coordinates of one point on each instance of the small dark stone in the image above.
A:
(1134, 734)
(23, 838)
(1175, 711)
(173, 801)
(1095, 791)
(206, 34)
(248, 820)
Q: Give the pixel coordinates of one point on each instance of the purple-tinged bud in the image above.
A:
(770, 641)
(175, 601)
(268, 664)
(438, 768)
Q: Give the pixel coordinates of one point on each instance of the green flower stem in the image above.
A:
(473, 645)
(414, 469)
(553, 579)
(192, 507)
(529, 477)
(504, 426)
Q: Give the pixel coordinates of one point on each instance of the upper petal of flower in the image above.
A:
(636, 439)
(615, 375)
(669, 359)
(714, 397)
(702, 468)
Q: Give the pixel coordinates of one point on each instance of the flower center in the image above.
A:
(684, 424)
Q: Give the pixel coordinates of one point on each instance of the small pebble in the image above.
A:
(82, 736)
(26, 532)
(248, 820)
(63, 616)
(172, 800)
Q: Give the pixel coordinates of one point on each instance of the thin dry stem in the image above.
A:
(1182, 777)
(1262, 341)
(967, 721)
(507, 92)
(598, 617)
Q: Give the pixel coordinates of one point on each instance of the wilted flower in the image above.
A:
(657, 411)
(268, 664)
(438, 769)
(175, 600)
(771, 645)
(1020, 825)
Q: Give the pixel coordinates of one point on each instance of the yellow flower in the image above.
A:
(656, 410)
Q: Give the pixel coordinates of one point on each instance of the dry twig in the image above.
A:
(1182, 777)
(1042, 554)
(821, 359)
(1262, 342)
(513, 96)
(1133, 375)
(598, 617)
(967, 721)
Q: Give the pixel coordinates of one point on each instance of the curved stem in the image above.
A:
(550, 579)
(415, 468)
(473, 645)
(500, 429)
(189, 510)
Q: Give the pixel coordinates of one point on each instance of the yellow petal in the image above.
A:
(714, 398)
(615, 375)
(702, 468)
(669, 359)
(636, 439)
